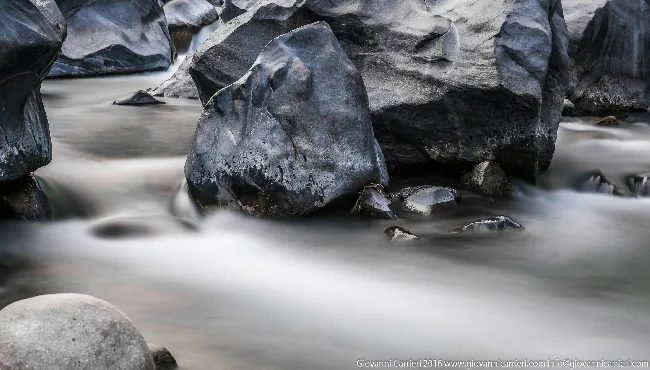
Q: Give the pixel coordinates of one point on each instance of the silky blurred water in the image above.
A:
(232, 292)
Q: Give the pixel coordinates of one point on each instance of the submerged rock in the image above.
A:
(399, 234)
(186, 17)
(139, 97)
(72, 332)
(289, 137)
(489, 179)
(441, 96)
(498, 223)
(113, 36)
(162, 358)
(609, 121)
(609, 48)
(425, 200)
(24, 200)
(373, 203)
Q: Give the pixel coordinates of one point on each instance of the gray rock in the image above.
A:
(399, 234)
(569, 109)
(425, 200)
(609, 49)
(451, 85)
(497, 223)
(70, 332)
(31, 33)
(139, 97)
(609, 121)
(597, 182)
(113, 36)
(373, 203)
(162, 357)
(489, 179)
(289, 137)
(180, 84)
(186, 17)
(24, 200)
(640, 185)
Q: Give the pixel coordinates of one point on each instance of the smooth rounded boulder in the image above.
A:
(70, 332)
(289, 137)
(113, 36)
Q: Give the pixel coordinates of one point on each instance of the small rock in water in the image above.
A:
(162, 358)
(640, 185)
(373, 203)
(24, 200)
(399, 234)
(609, 121)
(489, 179)
(71, 332)
(599, 183)
(569, 109)
(426, 200)
(139, 97)
(491, 224)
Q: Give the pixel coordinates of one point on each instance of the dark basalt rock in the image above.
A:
(498, 223)
(425, 200)
(289, 137)
(139, 97)
(489, 179)
(610, 65)
(31, 33)
(72, 332)
(162, 358)
(113, 36)
(609, 121)
(399, 234)
(24, 200)
(373, 203)
(186, 17)
(432, 79)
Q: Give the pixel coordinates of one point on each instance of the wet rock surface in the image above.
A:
(373, 203)
(609, 121)
(497, 223)
(139, 97)
(70, 331)
(425, 200)
(444, 78)
(609, 55)
(488, 179)
(162, 358)
(399, 234)
(186, 17)
(113, 36)
(291, 136)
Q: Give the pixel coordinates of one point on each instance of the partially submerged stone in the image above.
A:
(425, 200)
(497, 223)
(373, 203)
(399, 234)
(139, 97)
(24, 200)
(162, 358)
(609, 121)
(489, 179)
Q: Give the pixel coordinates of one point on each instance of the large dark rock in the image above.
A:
(31, 33)
(289, 137)
(113, 36)
(450, 86)
(24, 200)
(72, 332)
(186, 17)
(610, 55)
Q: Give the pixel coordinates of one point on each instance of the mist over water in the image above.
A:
(231, 292)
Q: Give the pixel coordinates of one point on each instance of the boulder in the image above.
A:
(139, 97)
(610, 56)
(180, 84)
(162, 358)
(609, 121)
(441, 96)
(373, 203)
(24, 200)
(497, 223)
(489, 179)
(113, 36)
(31, 33)
(186, 17)
(569, 109)
(399, 234)
(70, 332)
(289, 137)
(425, 200)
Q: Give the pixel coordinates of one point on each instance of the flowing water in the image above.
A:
(231, 292)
